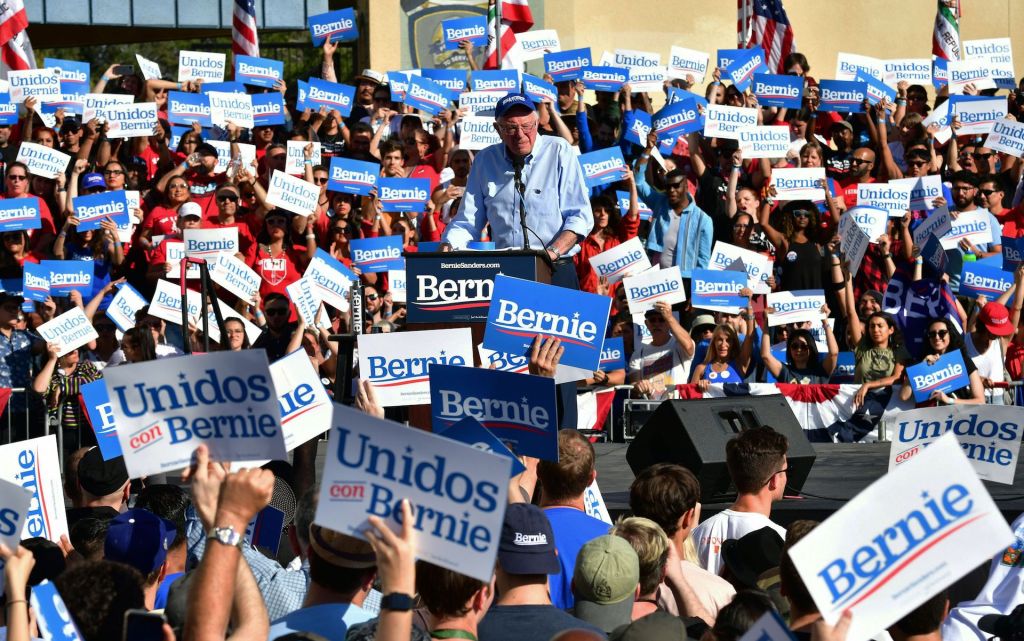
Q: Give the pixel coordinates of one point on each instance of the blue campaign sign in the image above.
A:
(8, 110)
(1013, 253)
(186, 108)
(35, 282)
(745, 63)
(480, 245)
(675, 94)
(639, 126)
(398, 84)
(506, 81)
(332, 95)
(519, 409)
(52, 616)
(471, 432)
(726, 57)
(267, 109)
(339, 26)
(426, 95)
(877, 90)
(75, 77)
(264, 531)
(68, 275)
(521, 310)
(302, 95)
(94, 208)
(623, 199)
(934, 255)
(604, 78)
(97, 406)
(228, 86)
(380, 254)
(613, 354)
(677, 119)
(775, 90)
(979, 279)
(945, 375)
(352, 176)
(846, 364)
(567, 65)
(717, 290)
(19, 213)
(403, 194)
(472, 29)
(539, 90)
(602, 167)
(258, 72)
(454, 80)
(845, 96)
(940, 72)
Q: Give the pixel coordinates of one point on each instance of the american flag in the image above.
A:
(15, 48)
(515, 18)
(244, 40)
(764, 23)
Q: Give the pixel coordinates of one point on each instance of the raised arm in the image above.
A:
(773, 364)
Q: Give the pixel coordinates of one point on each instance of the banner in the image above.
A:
(795, 307)
(758, 266)
(403, 194)
(293, 194)
(199, 65)
(472, 30)
(602, 167)
(70, 330)
(92, 209)
(842, 96)
(470, 432)
(877, 90)
(458, 505)
(42, 161)
(895, 199)
(764, 142)
(479, 102)
(1008, 137)
(427, 96)
(567, 65)
(75, 77)
(923, 190)
(980, 279)
(258, 72)
(231, 107)
(338, 26)
(19, 214)
(533, 44)
(937, 224)
(42, 84)
(374, 255)
(97, 406)
(848, 64)
(223, 399)
(683, 62)
(997, 53)
(613, 355)
(52, 616)
(303, 295)
(398, 364)
(210, 243)
(718, 291)
(871, 220)
(521, 310)
(68, 275)
(135, 120)
(853, 242)
(604, 78)
(304, 404)
(644, 210)
(397, 284)
(14, 504)
(1013, 253)
(645, 289)
(798, 184)
(721, 121)
(451, 81)
(519, 409)
(902, 539)
(331, 279)
(774, 90)
(490, 359)
(968, 72)
(989, 435)
(350, 176)
(538, 90)
(744, 65)
(639, 125)
(267, 109)
(333, 95)
(35, 282)
(979, 114)
(620, 261)
(295, 157)
(916, 71)
(677, 119)
(186, 108)
(123, 307)
(34, 465)
(234, 275)
(972, 225)
(911, 304)
(478, 133)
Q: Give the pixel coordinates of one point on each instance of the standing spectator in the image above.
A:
(141, 539)
(60, 382)
(17, 346)
(656, 368)
(605, 582)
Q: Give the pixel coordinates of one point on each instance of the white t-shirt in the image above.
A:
(727, 524)
(989, 364)
(665, 366)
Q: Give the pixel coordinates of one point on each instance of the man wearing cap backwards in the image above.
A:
(526, 556)
(555, 196)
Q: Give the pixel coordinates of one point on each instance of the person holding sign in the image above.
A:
(101, 246)
(16, 185)
(610, 230)
(656, 368)
(60, 382)
(803, 364)
(190, 216)
(801, 255)
(727, 360)
(943, 338)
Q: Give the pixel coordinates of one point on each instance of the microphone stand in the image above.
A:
(517, 164)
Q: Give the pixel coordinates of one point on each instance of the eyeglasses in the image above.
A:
(860, 161)
(989, 192)
(800, 347)
(339, 230)
(113, 172)
(16, 177)
(675, 185)
(320, 180)
(227, 198)
(177, 186)
(236, 332)
(372, 297)
(801, 213)
(276, 222)
(978, 156)
(511, 130)
(14, 239)
(916, 163)
(963, 188)
(938, 333)
(916, 98)
(739, 226)
(276, 311)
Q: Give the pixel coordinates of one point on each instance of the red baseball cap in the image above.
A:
(996, 319)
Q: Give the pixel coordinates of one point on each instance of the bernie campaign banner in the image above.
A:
(923, 191)
(502, 81)
(304, 403)
(35, 282)
(267, 109)
(96, 403)
(722, 121)
(677, 119)
(199, 65)
(350, 176)
(294, 194)
(426, 95)
(92, 209)
(1013, 253)
(981, 279)
(844, 96)
(14, 504)
(398, 364)
(602, 167)
(718, 291)
(894, 199)
(34, 465)
(68, 275)
(567, 65)
(331, 279)
(472, 433)
(51, 614)
(798, 183)
(69, 331)
(455, 492)
(643, 210)
(258, 72)
(333, 95)
(338, 26)
(622, 260)
(946, 374)
(19, 214)
(758, 266)
(775, 90)
(403, 194)
(374, 255)
(472, 29)
(645, 289)
(795, 307)
(971, 225)
(613, 355)
(126, 302)
(683, 62)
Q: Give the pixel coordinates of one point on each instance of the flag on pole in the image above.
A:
(244, 40)
(515, 18)
(946, 38)
(764, 23)
(15, 48)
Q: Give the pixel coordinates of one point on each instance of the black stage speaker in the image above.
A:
(693, 433)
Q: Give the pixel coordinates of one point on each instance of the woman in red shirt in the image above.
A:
(610, 230)
(278, 262)
(160, 220)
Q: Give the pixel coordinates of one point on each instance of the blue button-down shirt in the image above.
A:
(556, 197)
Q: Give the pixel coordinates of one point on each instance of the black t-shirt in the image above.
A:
(275, 345)
(528, 623)
(712, 197)
(837, 163)
(76, 514)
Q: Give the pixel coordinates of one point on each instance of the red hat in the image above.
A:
(996, 319)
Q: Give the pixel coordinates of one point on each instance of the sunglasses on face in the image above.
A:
(675, 185)
(801, 213)
(227, 198)
(276, 222)
(799, 347)
(276, 311)
(372, 297)
(860, 161)
(16, 177)
(938, 333)
(340, 230)
(320, 180)
(917, 98)
(989, 192)
(978, 156)
(916, 163)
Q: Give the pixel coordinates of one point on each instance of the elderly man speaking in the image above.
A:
(551, 190)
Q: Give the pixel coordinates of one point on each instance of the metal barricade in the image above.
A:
(9, 433)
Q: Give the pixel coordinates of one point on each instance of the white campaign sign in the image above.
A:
(871, 220)
(894, 199)
(123, 307)
(396, 285)
(33, 464)
(479, 103)
(906, 536)
(164, 409)
(478, 132)
(294, 163)
(721, 121)
(645, 289)
(503, 362)
(979, 116)
(14, 503)
(988, 434)
(294, 194)
(307, 302)
(758, 266)
(997, 53)
(305, 405)
(972, 225)
(853, 241)
(795, 307)
(1008, 137)
(193, 65)
(684, 62)
(166, 303)
(174, 250)
(847, 65)
(318, 271)
(938, 224)
(95, 105)
(246, 154)
(210, 243)
(398, 364)
(593, 503)
(231, 107)
(764, 142)
(70, 330)
(798, 184)
(969, 72)
(913, 70)
(533, 44)
(923, 190)
(235, 276)
(620, 261)
(43, 84)
(135, 120)
(150, 70)
(456, 500)
(43, 161)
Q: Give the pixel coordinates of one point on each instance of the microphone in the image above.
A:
(1008, 627)
(517, 167)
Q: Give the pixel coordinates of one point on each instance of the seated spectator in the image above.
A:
(941, 338)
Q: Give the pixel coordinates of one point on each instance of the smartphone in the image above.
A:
(124, 70)
(143, 625)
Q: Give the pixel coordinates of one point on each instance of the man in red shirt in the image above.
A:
(861, 164)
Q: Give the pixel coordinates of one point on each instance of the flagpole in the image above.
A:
(497, 33)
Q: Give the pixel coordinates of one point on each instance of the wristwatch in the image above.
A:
(396, 601)
(226, 536)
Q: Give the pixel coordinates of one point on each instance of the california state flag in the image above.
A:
(15, 48)
(515, 18)
(946, 37)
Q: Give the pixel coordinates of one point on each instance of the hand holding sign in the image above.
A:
(396, 558)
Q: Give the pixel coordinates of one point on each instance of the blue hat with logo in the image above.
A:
(510, 101)
(527, 544)
(93, 180)
(140, 539)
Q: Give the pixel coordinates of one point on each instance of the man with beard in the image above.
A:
(861, 164)
(965, 191)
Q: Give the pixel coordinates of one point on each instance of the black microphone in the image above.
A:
(517, 167)
(1008, 627)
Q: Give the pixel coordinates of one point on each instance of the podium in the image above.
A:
(446, 290)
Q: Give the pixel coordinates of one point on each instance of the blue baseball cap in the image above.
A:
(93, 180)
(140, 539)
(512, 100)
(527, 543)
